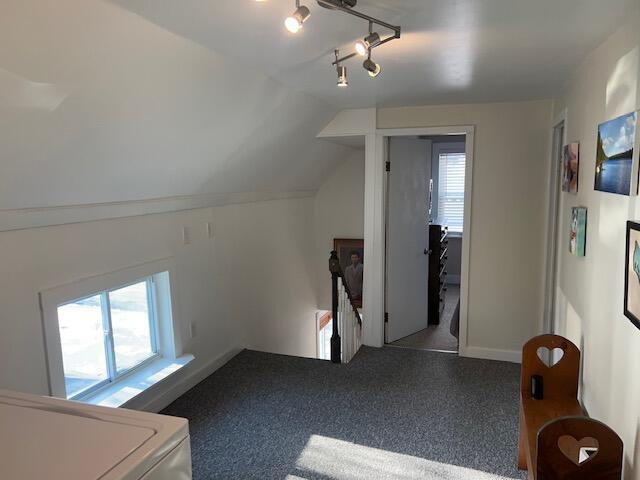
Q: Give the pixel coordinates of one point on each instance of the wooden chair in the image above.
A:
(560, 387)
(561, 451)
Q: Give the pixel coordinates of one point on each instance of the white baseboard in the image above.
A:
(512, 356)
(163, 394)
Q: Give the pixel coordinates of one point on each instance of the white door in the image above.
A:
(407, 236)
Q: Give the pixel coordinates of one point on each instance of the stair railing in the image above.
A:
(346, 336)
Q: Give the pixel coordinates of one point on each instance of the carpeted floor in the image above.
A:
(390, 414)
(436, 337)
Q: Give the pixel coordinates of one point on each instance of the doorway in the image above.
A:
(425, 217)
(553, 229)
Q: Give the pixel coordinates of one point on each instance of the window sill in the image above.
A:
(128, 388)
(454, 234)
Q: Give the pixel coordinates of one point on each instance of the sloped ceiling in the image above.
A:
(98, 104)
(118, 100)
(451, 51)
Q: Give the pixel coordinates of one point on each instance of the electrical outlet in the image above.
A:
(209, 230)
(186, 240)
(192, 329)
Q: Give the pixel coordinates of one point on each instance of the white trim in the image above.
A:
(377, 224)
(158, 398)
(553, 203)
(19, 219)
(493, 354)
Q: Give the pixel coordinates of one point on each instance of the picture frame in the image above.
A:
(616, 167)
(352, 267)
(632, 275)
(578, 231)
(570, 167)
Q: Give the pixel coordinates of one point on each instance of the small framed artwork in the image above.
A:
(632, 274)
(570, 166)
(617, 156)
(351, 255)
(578, 232)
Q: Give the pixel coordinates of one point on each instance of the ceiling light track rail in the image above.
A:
(343, 6)
(363, 47)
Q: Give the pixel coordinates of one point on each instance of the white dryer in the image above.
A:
(47, 438)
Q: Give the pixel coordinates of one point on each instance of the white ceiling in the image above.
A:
(451, 51)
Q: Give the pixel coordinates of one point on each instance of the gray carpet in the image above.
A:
(390, 414)
(436, 337)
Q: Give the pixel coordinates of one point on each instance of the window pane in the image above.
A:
(82, 339)
(451, 190)
(130, 325)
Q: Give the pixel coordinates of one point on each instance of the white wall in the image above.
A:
(338, 213)
(99, 104)
(508, 221)
(590, 290)
(250, 286)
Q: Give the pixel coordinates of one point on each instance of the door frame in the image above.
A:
(376, 224)
(548, 321)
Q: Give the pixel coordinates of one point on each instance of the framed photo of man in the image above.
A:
(351, 255)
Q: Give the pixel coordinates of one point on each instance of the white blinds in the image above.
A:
(451, 190)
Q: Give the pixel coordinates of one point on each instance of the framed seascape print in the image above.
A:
(617, 156)
(578, 232)
(632, 274)
(351, 255)
(570, 165)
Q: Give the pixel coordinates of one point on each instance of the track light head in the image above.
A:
(370, 41)
(342, 76)
(295, 21)
(372, 67)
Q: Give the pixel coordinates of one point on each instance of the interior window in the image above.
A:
(451, 190)
(106, 335)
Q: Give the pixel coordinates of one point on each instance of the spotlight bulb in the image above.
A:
(342, 77)
(370, 41)
(361, 48)
(372, 68)
(295, 21)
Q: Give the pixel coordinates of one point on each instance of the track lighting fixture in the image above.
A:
(372, 67)
(362, 47)
(370, 41)
(342, 76)
(342, 72)
(295, 21)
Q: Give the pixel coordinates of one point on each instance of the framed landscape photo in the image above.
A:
(617, 156)
(570, 166)
(578, 231)
(351, 255)
(632, 274)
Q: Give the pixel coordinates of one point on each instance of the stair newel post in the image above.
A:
(334, 268)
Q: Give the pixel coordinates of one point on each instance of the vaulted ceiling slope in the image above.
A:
(451, 51)
(98, 104)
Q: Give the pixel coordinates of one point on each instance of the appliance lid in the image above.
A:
(49, 444)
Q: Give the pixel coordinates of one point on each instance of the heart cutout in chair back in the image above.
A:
(578, 452)
(550, 357)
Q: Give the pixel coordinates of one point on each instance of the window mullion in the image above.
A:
(151, 306)
(106, 320)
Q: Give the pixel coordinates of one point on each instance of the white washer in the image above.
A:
(47, 438)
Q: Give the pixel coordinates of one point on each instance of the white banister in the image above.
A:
(348, 327)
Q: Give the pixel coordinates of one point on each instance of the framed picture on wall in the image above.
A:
(617, 156)
(578, 231)
(351, 255)
(570, 166)
(632, 274)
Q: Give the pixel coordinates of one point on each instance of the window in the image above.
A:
(106, 335)
(451, 167)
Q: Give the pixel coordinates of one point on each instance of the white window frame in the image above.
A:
(165, 335)
(437, 150)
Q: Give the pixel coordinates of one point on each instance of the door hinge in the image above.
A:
(388, 166)
(386, 317)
